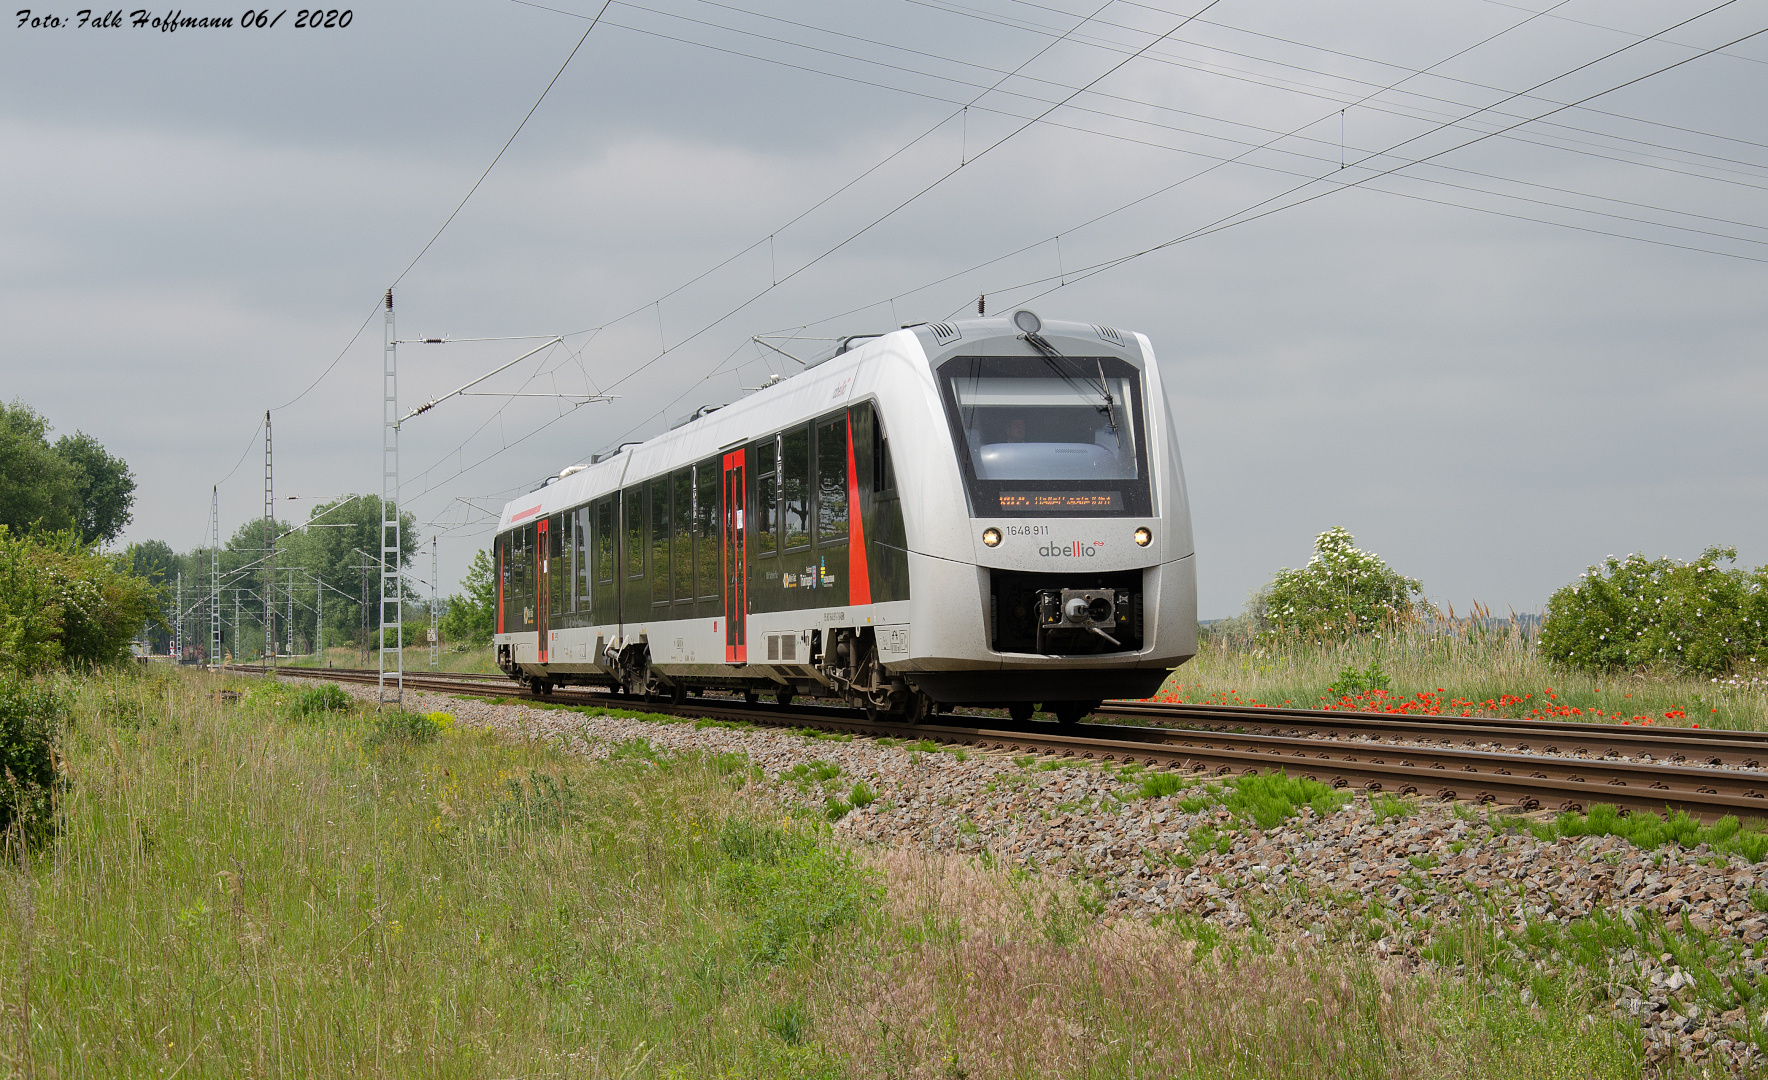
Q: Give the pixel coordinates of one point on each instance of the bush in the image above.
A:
(1341, 591)
(1352, 682)
(64, 603)
(1690, 618)
(398, 727)
(31, 720)
(314, 700)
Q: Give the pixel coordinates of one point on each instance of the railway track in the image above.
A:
(1533, 764)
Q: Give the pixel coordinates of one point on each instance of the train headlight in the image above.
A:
(1144, 537)
(991, 537)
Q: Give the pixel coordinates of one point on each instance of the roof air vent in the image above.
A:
(1116, 337)
(943, 332)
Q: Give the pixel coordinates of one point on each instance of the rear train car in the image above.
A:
(988, 512)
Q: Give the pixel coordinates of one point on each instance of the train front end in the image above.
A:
(1068, 576)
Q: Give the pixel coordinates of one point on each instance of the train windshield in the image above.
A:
(1049, 434)
(1052, 428)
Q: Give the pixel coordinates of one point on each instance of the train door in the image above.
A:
(736, 554)
(543, 602)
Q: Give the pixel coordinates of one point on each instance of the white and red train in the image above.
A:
(985, 512)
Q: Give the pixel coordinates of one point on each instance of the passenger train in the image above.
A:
(987, 512)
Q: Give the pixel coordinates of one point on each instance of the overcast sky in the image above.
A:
(1494, 363)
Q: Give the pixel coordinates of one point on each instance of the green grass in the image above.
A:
(236, 890)
(1654, 830)
(1268, 799)
(1472, 665)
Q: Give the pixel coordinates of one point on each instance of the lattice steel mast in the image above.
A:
(435, 635)
(390, 548)
(215, 576)
(269, 553)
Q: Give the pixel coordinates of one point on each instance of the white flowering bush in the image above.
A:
(1343, 590)
(1692, 618)
(63, 603)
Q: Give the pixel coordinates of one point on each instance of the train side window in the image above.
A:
(883, 473)
(604, 541)
(518, 581)
(660, 540)
(682, 485)
(831, 481)
(503, 581)
(634, 518)
(580, 559)
(530, 567)
(706, 525)
(767, 491)
(795, 487)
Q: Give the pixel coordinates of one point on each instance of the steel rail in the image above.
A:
(1377, 720)
(1529, 780)
(1711, 746)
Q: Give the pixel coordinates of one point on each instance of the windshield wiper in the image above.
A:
(1051, 356)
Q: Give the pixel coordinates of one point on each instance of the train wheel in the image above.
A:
(920, 708)
(751, 697)
(678, 694)
(1021, 711)
(784, 697)
(1069, 713)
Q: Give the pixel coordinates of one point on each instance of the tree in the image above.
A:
(104, 487)
(38, 488)
(341, 537)
(1342, 590)
(1690, 618)
(152, 559)
(156, 563)
(471, 619)
(73, 484)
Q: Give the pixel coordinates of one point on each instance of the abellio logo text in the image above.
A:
(1075, 549)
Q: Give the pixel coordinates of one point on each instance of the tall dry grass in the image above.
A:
(1467, 658)
(1005, 977)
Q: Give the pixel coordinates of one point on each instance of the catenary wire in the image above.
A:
(1413, 113)
(1296, 135)
(1246, 215)
(1227, 221)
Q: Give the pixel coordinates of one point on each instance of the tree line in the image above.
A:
(324, 584)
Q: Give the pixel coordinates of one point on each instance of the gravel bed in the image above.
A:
(1146, 858)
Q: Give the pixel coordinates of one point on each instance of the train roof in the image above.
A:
(578, 483)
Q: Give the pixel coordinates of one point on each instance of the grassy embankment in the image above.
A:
(1470, 666)
(242, 889)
